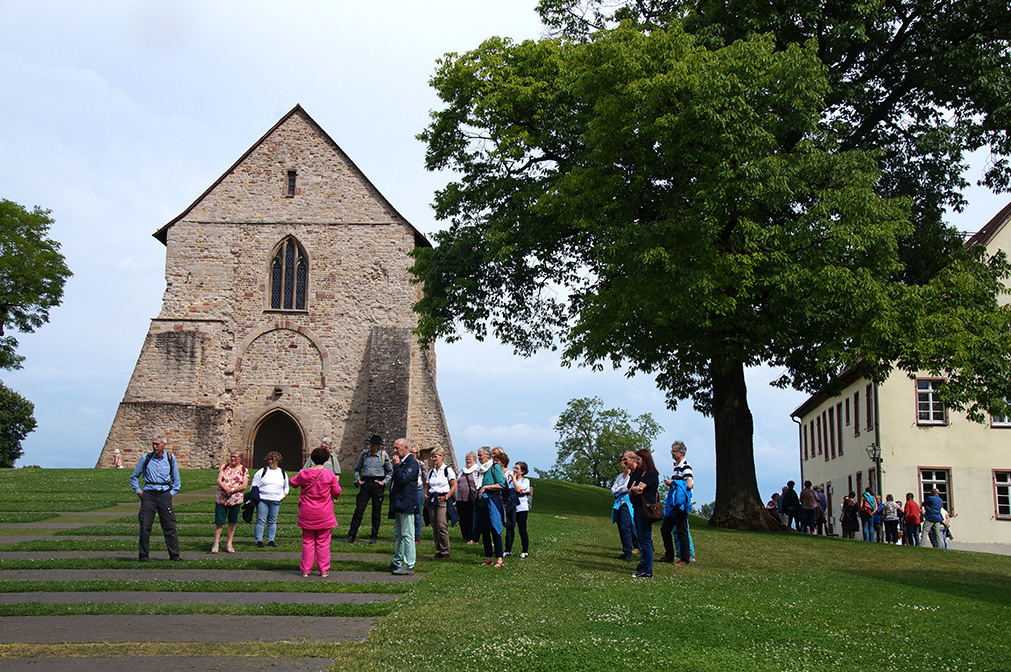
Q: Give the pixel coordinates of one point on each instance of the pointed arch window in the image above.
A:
(289, 276)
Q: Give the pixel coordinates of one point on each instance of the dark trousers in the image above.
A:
(521, 524)
(492, 539)
(678, 520)
(160, 501)
(466, 511)
(370, 491)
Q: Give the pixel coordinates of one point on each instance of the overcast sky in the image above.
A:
(116, 115)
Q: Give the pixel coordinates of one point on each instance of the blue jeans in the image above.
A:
(266, 511)
(911, 535)
(867, 526)
(644, 530)
(624, 521)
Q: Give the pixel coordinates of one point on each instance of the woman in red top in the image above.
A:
(911, 521)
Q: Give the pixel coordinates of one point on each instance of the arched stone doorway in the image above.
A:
(278, 431)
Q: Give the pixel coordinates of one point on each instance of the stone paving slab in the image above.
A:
(191, 628)
(43, 525)
(153, 597)
(165, 664)
(157, 574)
(222, 556)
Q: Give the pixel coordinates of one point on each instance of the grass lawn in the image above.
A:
(752, 602)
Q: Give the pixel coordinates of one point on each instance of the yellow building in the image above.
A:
(922, 444)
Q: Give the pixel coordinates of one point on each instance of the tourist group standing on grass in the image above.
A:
(487, 501)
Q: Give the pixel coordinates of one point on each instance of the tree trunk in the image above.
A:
(738, 505)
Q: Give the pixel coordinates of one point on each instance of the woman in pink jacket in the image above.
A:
(320, 489)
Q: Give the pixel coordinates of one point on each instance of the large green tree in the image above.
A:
(685, 194)
(592, 439)
(17, 420)
(32, 275)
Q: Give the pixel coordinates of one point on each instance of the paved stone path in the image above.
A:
(377, 558)
(190, 628)
(177, 597)
(174, 628)
(156, 574)
(165, 664)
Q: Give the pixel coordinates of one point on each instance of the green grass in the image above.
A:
(752, 602)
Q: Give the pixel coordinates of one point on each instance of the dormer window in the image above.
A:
(289, 276)
(291, 184)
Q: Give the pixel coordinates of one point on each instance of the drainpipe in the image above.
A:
(800, 445)
(877, 436)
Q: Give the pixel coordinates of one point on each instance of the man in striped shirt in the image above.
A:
(682, 472)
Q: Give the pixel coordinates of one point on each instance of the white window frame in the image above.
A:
(930, 410)
(1002, 494)
(940, 478)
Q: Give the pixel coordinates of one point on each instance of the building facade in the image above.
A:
(923, 445)
(286, 318)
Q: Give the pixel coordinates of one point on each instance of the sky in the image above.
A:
(117, 114)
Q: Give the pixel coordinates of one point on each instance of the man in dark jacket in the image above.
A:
(791, 505)
(403, 507)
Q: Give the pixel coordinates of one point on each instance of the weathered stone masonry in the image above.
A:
(222, 370)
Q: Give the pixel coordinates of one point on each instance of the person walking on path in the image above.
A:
(373, 470)
(320, 489)
(160, 473)
(403, 507)
(232, 481)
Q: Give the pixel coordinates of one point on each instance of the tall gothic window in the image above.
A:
(289, 277)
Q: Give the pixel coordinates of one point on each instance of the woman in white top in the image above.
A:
(521, 484)
(440, 488)
(273, 485)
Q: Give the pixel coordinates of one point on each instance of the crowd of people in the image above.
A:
(487, 500)
(877, 521)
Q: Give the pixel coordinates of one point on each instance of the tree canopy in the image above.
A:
(689, 192)
(592, 440)
(17, 420)
(32, 275)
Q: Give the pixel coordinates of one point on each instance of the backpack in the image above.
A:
(866, 509)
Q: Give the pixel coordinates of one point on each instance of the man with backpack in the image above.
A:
(161, 482)
(373, 470)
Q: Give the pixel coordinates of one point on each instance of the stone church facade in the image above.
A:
(286, 318)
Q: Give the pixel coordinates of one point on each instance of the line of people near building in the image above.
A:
(637, 507)
(878, 521)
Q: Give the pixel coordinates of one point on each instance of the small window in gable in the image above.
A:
(291, 184)
(289, 277)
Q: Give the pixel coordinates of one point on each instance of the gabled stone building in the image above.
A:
(287, 317)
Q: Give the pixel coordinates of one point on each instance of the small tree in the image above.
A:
(16, 422)
(32, 275)
(593, 440)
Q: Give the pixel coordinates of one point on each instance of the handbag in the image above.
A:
(653, 512)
